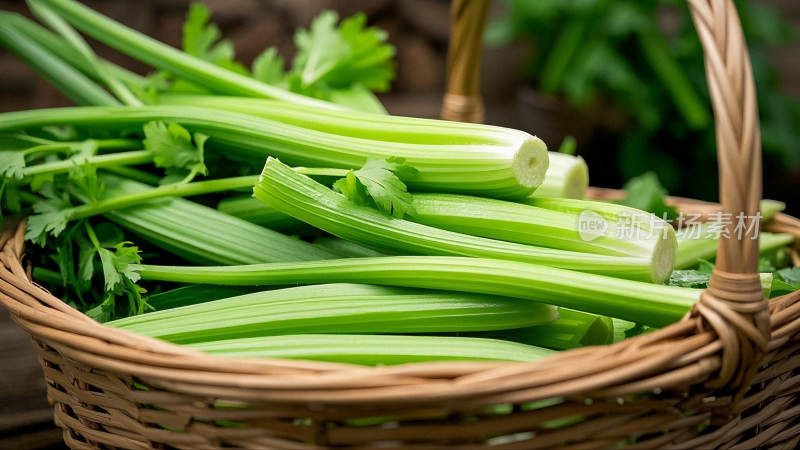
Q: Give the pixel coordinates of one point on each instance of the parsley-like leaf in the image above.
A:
(174, 151)
(343, 56)
(268, 67)
(202, 39)
(646, 193)
(12, 163)
(380, 182)
(689, 279)
(52, 215)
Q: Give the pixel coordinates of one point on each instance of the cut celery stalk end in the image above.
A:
(478, 159)
(567, 177)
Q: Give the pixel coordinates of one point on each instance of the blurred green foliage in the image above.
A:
(643, 59)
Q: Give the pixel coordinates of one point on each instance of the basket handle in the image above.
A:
(462, 100)
(733, 305)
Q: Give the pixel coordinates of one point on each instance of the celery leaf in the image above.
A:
(174, 150)
(345, 55)
(268, 67)
(381, 183)
(202, 39)
(12, 163)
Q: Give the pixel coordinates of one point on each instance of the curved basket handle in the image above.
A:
(463, 101)
(734, 304)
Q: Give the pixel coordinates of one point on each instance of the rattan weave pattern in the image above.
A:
(727, 375)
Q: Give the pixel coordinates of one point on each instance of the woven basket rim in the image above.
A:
(80, 338)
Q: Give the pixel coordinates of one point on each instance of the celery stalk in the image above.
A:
(635, 301)
(540, 226)
(373, 350)
(337, 308)
(466, 158)
(572, 329)
(567, 177)
(204, 235)
(301, 197)
(695, 244)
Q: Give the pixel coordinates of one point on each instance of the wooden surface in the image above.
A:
(26, 419)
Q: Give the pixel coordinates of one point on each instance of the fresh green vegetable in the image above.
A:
(64, 77)
(253, 210)
(204, 235)
(374, 350)
(301, 197)
(700, 242)
(196, 293)
(344, 248)
(651, 238)
(647, 303)
(567, 177)
(168, 59)
(501, 162)
(572, 329)
(337, 308)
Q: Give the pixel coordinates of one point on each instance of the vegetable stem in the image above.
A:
(647, 303)
(301, 197)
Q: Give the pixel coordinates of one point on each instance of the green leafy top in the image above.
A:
(202, 39)
(174, 150)
(380, 183)
(646, 193)
(349, 54)
(340, 64)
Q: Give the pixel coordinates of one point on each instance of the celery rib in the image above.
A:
(301, 197)
(204, 235)
(481, 160)
(374, 349)
(337, 308)
(656, 305)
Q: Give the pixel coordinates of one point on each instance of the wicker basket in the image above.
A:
(726, 375)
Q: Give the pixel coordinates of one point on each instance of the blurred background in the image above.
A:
(624, 77)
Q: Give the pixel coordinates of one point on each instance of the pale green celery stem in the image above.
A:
(769, 208)
(695, 244)
(374, 349)
(255, 211)
(204, 235)
(345, 248)
(303, 198)
(567, 177)
(545, 227)
(65, 78)
(54, 45)
(75, 40)
(167, 190)
(468, 158)
(134, 174)
(337, 308)
(408, 130)
(766, 283)
(572, 329)
(647, 303)
(99, 161)
(171, 60)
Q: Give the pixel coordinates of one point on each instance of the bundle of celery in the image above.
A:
(442, 240)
